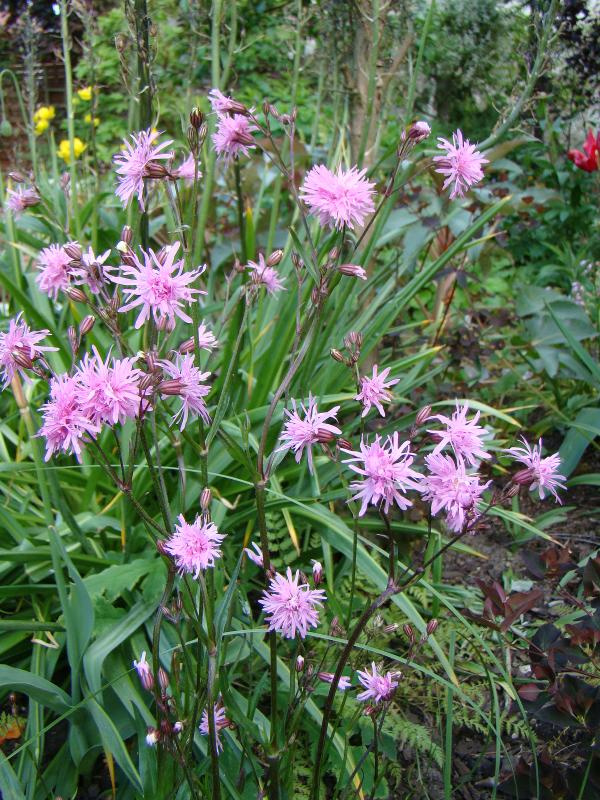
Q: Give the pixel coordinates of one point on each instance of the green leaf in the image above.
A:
(113, 743)
(11, 788)
(40, 689)
(578, 438)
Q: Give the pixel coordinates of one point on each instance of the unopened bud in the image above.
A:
(17, 177)
(87, 323)
(163, 679)
(299, 664)
(317, 572)
(172, 388)
(409, 632)
(353, 271)
(389, 629)
(160, 546)
(177, 726)
(188, 346)
(314, 296)
(274, 258)
(285, 119)
(512, 490)
(76, 294)
(419, 131)
(73, 250)
(423, 415)
(344, 444)
(243, 138)
(205, 499)
(524, 477)
(65, 180)
(196, 118)
(337, 356)
(126, 234)
(334, 254)
(192, 137)
(324, 436)
(431, 627)
(202, 133)
(22, 358)
(156, 171)
(297, 261)
(165, 324)
(73, 339)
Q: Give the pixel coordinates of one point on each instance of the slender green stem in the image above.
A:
(66, 45)
(208, 593)
(240, 209)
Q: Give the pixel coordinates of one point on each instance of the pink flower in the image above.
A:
(544, 471)
(92, 274)
(108, 394)
(338, 199)
(290, 606)
(463, 435)
(343, 684)
(263, 275)
(20, 341)
(206, 340)
(450, 488)
(255, 555)
(373, 391)
(187, 169)
(54, 270)
(194, 546)
(461, 164)
(220, 103)
(20, 199)
(221, 722)
(191, 390)
(233, 136)
(144, 672)
(140, 159)
(65, 423)
(377, 687)
(387, 473)
(299, 433)
(159, 285)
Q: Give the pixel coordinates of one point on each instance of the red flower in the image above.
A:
(589, 160)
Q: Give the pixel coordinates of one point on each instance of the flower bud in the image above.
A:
(177, 726)
(524, 477)
(297, 261)
(156, 171)
(17, 177)
(73, 250)
(202, 134)
(334, 254)
(76, 294)
(196, 118)
(126, 234)
(353, 271)
(324, 436)
(419, 131)
(409, 632)
(423, 415)
(146, 382)
(274, 258)
(87, 323)
(317, 572)
(165, 324)
(205, 499)
(192, 138)
(65, 181)
(299, 664)
(152, 737)
(389, 629)
(73, 339)
(160, 546)
(163, 679)
(337, 356)
(172, 388)
(512, 490)
(431, 627)
(344, 444)
(22, 358)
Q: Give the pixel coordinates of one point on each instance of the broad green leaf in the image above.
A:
(40, 689)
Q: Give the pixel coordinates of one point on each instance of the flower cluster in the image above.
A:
(340, 199)
(233, 135)
(19, 348)
(194, 546)
(301, 432)
(290, 606)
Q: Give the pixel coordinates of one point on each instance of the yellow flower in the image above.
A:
(64, 151)
(88, 119)
(40, 126)
(44, 114)
(85, 93)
